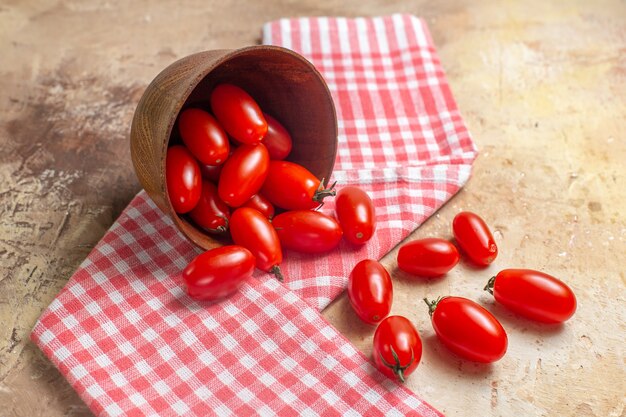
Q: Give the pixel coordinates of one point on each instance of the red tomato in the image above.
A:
(182, 175)
(370, 291)
(238, 113)
(218, 272)
(293, 187)
(243, 174)
(397, 347)
(211, 172)
(467, 329)
(262, 204)
(307, 231)
(432, 257)
(355, 212)
(203, 136)
(474, 237)
(533, 294)
(211, 213)
(277, 140)
(250, 229)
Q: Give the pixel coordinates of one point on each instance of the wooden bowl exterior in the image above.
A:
(284, 84)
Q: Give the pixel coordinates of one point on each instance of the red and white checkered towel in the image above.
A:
(130, 341)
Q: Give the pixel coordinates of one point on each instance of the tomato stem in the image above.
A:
(276, 271)
(397, 368)
(219, 229)
(322, 192)
(432, 305)
(490, 284)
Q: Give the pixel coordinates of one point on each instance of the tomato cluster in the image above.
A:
(462, 325)
(229, 177)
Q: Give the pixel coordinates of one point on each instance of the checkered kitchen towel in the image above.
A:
(130, 341)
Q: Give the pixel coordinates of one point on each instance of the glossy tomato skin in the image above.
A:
(431, 257)
(218, 273)
(238, 113)
(474, 238)
(468, 329)
(203, 136)
(211, 213)
(277, 140)
(534, 295)
(211, 172)
(370, 291)
(293, 187)
(356, 214)
(262, 204)
(396, 334)
(182, 175)
(243, 174)
(307, 231)
(250, 229)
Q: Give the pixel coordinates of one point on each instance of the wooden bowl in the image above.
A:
(285, 85)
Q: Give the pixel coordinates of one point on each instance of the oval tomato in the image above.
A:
(203, 136)
(397, 347)
(467, 329)
(533, 294)
(243, 174)
(307, 231)
(250, 229)
(431, 257)
(277, 140)
(218, 272)
(474, 238)
(293, 187)
(262, 204)
(370, 291)
(182, 175)
(211, 213)
(355, 212)
(238, 113)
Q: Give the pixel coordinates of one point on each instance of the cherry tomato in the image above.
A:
(218, 272)
(211, 213)
(431, 257)
(397, 347)
(355, 212)
(533, 294)
(243, 174)
(467, 329)
(238, 113)
(262, 204)
(277, 140)
(211, 172)
(203, 136)
(182, 175)
(474, 237)
(307, 231)
(250, 229)
(293, 187)
(370, 291)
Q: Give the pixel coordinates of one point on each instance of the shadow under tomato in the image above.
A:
(406, 278)
(441, 357)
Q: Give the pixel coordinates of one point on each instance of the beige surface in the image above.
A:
(542, 88)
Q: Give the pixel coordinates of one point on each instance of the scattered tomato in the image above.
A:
(467, 329)
(250, 229)
(277, 140)
(238, 113)
(473, 236)
(211, 213)
(397, 347)
(219, 272)
(262, 204)
(307, 231)
(183, 179)
(355, 212)
(370, 291)
(431, 257)
(243, 174)
(203, 136)
(533, 294)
